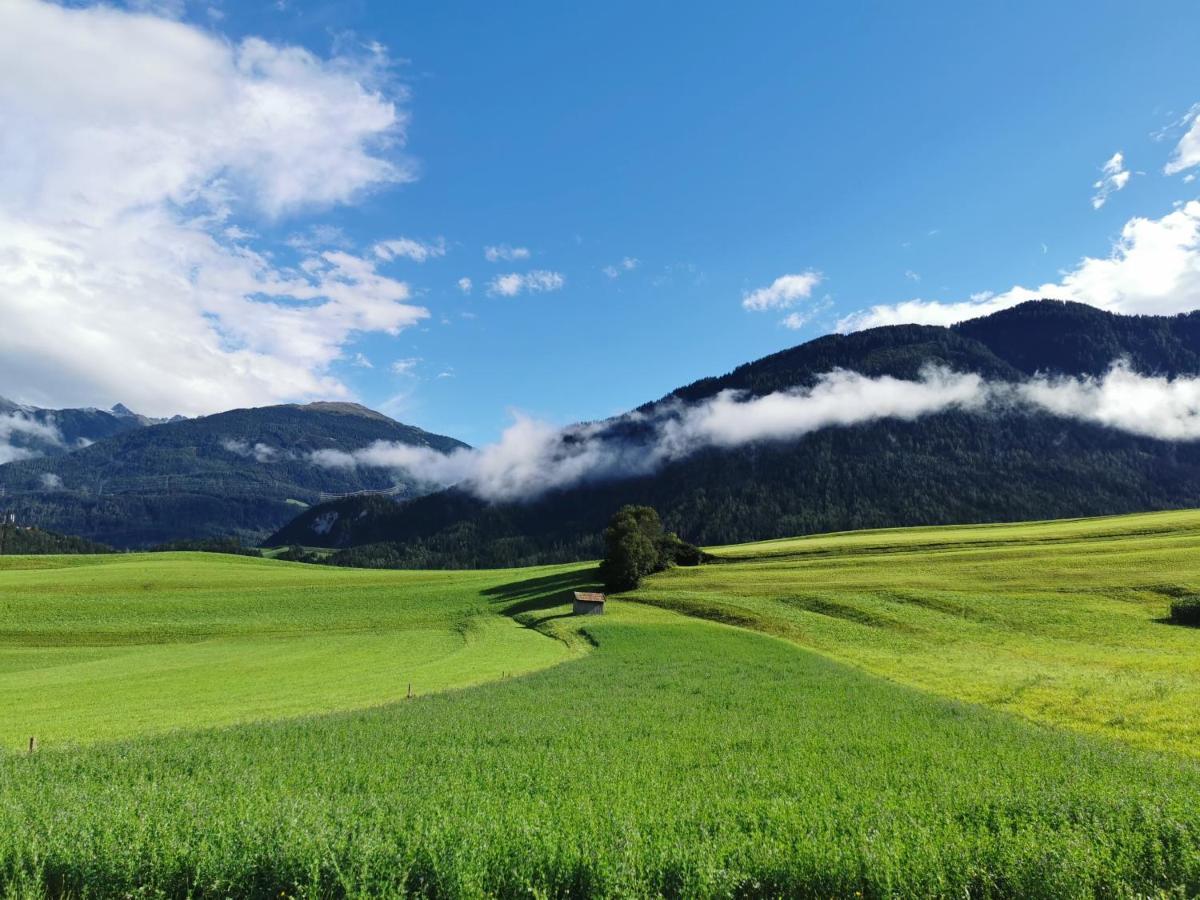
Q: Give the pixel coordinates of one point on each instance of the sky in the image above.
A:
(461, 213)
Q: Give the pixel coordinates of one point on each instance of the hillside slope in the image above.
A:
(244, 472)
(951, 467)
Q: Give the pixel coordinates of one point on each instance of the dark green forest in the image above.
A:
(17, 540)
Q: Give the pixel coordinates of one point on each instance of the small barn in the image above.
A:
(588, 604)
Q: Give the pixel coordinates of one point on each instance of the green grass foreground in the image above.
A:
(103, 647)
(1065, 622)
(680, 758)
(674, 757)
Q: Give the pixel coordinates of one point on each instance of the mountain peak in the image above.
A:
(123, 411)
(346, 408)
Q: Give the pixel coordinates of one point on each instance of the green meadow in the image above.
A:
(1063, 622)
(102, 647)
(985, 712)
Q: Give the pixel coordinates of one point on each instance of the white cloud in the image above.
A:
(405, 366)
(1154, 407)
(361, 361)
(536, 281)
(533, 457)
(627, 264)
(783, 292)
(50, 481)
(417, 251)
(1154, 268)
(465, 285)
(23, 437)
(1187, 151)
(504, 252)
(794, 321)
(263, 453)
(313, 239)
(1114, 176)
(123, 154)
(911, 275)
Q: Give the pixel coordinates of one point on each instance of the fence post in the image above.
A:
(410, 690)
(32, 744)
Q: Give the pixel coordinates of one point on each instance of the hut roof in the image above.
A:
(585, 597)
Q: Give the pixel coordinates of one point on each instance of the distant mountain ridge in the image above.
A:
(240, 473)
(944, 468)
(62, 430)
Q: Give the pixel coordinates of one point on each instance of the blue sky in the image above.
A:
(699, 152)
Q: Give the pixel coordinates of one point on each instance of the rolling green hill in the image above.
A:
(1062, 622)
(953, 467)
(733, 730)
(96, 648)
(241, 473)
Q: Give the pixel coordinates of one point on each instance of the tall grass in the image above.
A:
(678, 759)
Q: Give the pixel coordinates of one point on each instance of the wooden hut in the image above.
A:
(588, 604)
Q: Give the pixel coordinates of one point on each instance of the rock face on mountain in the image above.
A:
(954, 466)
(243, 473)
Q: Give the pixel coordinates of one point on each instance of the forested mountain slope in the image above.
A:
(955, 466)
(243, 473)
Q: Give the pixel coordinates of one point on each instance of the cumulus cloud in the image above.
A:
(1153, 268)
(505, 253)
(124, 157)
(783, 292)
(23, 437)
(465, 285)
(407, 248)
(534, 282)
(1114, 176)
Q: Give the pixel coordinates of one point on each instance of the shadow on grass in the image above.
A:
(532, 594)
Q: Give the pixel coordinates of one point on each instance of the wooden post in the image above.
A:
(32, 744)
(410, 690)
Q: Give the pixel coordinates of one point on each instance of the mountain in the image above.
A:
(954, 466)
(27, 431)
(241, 473)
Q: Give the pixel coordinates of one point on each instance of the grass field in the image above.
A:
(666, 755)
(103, 647)
(1060, 622)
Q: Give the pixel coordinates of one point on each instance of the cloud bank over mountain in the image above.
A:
(534, 457)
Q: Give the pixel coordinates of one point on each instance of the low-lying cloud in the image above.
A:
(21, 435)
(260, 452)
(533, 457)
